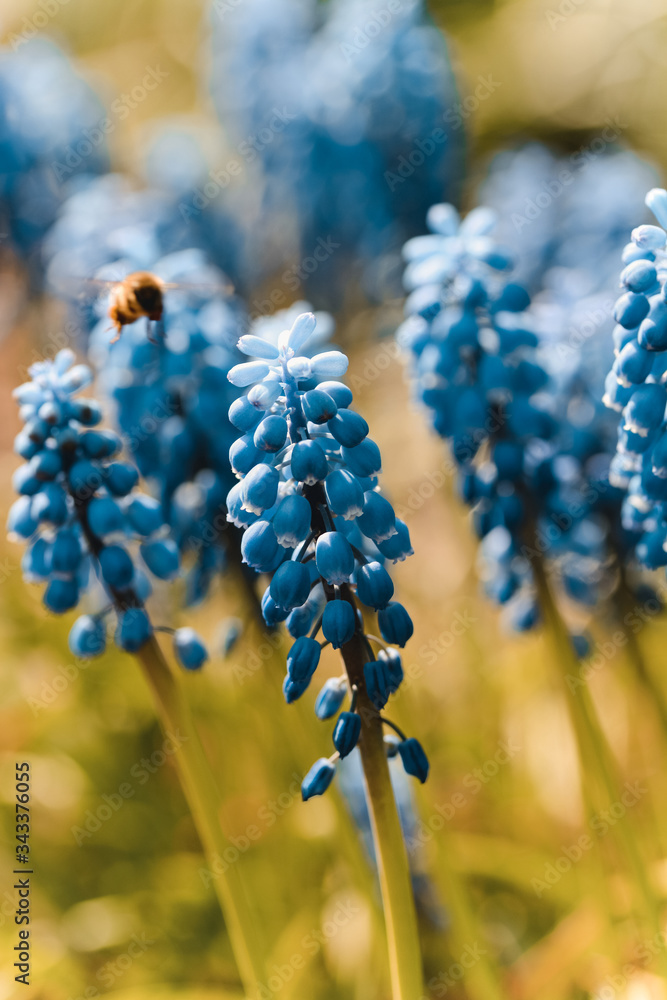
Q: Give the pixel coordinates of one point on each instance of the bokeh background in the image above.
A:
(562, 72)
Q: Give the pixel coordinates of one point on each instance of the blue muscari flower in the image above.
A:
(71, 523)
(317, 527)
(318, 779)
(414, 759)
(46, 112)
(363, 143)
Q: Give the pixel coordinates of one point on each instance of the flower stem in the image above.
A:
(594, 751)
(204, 799)
(405, 964)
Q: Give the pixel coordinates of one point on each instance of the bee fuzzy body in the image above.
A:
(139, 294)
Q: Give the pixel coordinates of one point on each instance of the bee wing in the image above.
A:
(210, 288)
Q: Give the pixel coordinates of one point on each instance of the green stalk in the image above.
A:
(405, 964)
(594, 750)
(624, 605)
(204, 799)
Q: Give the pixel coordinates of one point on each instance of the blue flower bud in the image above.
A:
(659, 457)
(364, 460)
(649, 237)
(334, 557)
(248, 372)
(243, 415)
(290, 585)
(117, 567)
(161, 557)
(236, 513)
(20, 520)
(271, 613)
(189, 649)
(341, 395)
(264, 395)
(377, 681)
(378, 520)
(104, 516)
(144, 514)
(414, 759)
(344, 494)
(87, 637)
(120, 478)
(652, 333)
(646, 409)
(318, 779)
(656, 200)
(331, 697)
(100, 444)
(66, 552)
(46, 464)
(633, 364)
(259, 489)
(346, 733)
(25, 482)
(308, 462)
(338, 622)
(259, 546)
(392, 660)
(631, 309)
(291, 521)
(36, 561)
(84, 478)
(50, 505)
(243, 455)
(301, 330)
(639, 276)
(650, 548)
(61, 595)
(374, 585)
(398, 547)
(318, 406)
(86, 412)
(133, 630)
(271, 433)
(256, 347)
(395, 624)
(348, 428)
(330, 364)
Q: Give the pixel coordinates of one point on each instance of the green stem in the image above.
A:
(405, 964)
(625, 608)
(204, 799)
(593, 748)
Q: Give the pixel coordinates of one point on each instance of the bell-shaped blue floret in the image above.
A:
(318, 779)
(243, 415)
(133, 629)
(374, 586)
(120, 478)
(117, 567)
(291, 521)
(364, 460)
(144, 514)
(271, 433)
(259, 546)
(646, 409)
(398, 547)
(395, 624)
(61, 595)
(259, 489)
(344, 494)
(290, 585)
(338, 622)
(189, 649)
(105, 517)
(392, 660)
(378, 520)
(87, 637)
(414, 759)
(348, 428)
(334, 557)
(308, 462)
(318, 406)
(378, 685)
(346, 733)
(331, 697)
(161, 557)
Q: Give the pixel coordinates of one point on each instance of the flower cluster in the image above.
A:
(49, 134)
(348, 108)
(635, 386)
(77, 509)
(314, 519)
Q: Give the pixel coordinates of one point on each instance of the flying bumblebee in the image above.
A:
(141, 294)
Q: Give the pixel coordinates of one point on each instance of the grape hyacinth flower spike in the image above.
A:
(77, 511)
(314, 519)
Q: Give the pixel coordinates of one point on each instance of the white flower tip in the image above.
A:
(302, 329)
